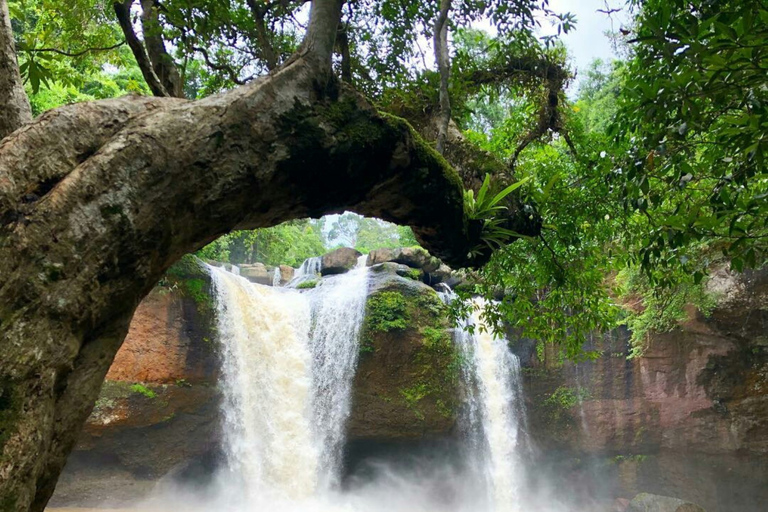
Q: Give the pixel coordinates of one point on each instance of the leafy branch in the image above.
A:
(488, 209)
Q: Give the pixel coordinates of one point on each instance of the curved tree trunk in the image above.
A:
(98, 199)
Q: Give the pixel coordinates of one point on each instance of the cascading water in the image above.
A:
(338, 308)
(267, 387)
(309, 269)
(493, 412)
(289, 359)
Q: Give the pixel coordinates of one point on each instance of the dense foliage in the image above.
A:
(651, 176)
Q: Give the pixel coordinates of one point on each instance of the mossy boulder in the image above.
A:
(407, 383)
(339, 261)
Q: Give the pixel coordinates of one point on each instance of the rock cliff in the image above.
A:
(688, 419)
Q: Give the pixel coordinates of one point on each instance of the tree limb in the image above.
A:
(15, 110)
(98, 199)
(162, 63)
(320, 39)
(443, 59)
(342, 41)
(76, 54)
(233, 75)
(266, 49)
(123, 12)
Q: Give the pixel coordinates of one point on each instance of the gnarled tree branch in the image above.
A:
(98, 199)
(162, 63)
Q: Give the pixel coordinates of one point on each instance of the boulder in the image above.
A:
(406, 388)
(645, 502)
(414, 257)
(443, 274)
(257, 273)
(286, 274)
(339, 261)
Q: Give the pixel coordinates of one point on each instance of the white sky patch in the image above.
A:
(588, 40)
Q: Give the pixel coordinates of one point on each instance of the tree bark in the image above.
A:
(98, 199)
(266, 49)
(162, 63)
(122, 10)
(14, 104)
(443, 60)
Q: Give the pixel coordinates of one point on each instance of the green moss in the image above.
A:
(629, 458)
(143, 390)
(565, 398)
(386, 311)
(306, 285)
(356, 148)
(188, 278)
(111, 392)
(187, 266)
(558, 404)
(413, 395)
(433, 370)
(414, 274)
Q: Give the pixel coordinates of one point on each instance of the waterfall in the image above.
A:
(493, 413)
(338, 308)
(276, 276)
(267, 386)
(309, 269)
(289, 359)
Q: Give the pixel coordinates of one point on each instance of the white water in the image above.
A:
(493, 412)
(309, 270)
(338, 308)
(268, 438)
(289, 358)
(289, 363)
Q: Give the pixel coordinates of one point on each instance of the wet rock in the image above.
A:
(286, 274)
(653, 503)
(406, 388)
(619, 505)
(257, 273)
(339, 261)
(159, 406)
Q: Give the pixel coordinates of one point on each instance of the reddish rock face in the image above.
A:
(158, 411)
(688, 419)
(166, 343)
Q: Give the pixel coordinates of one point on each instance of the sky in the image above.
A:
(588, 40)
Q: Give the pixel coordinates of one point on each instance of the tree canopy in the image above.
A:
(650, 175)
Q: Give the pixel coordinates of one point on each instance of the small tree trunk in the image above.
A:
(15, 111)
